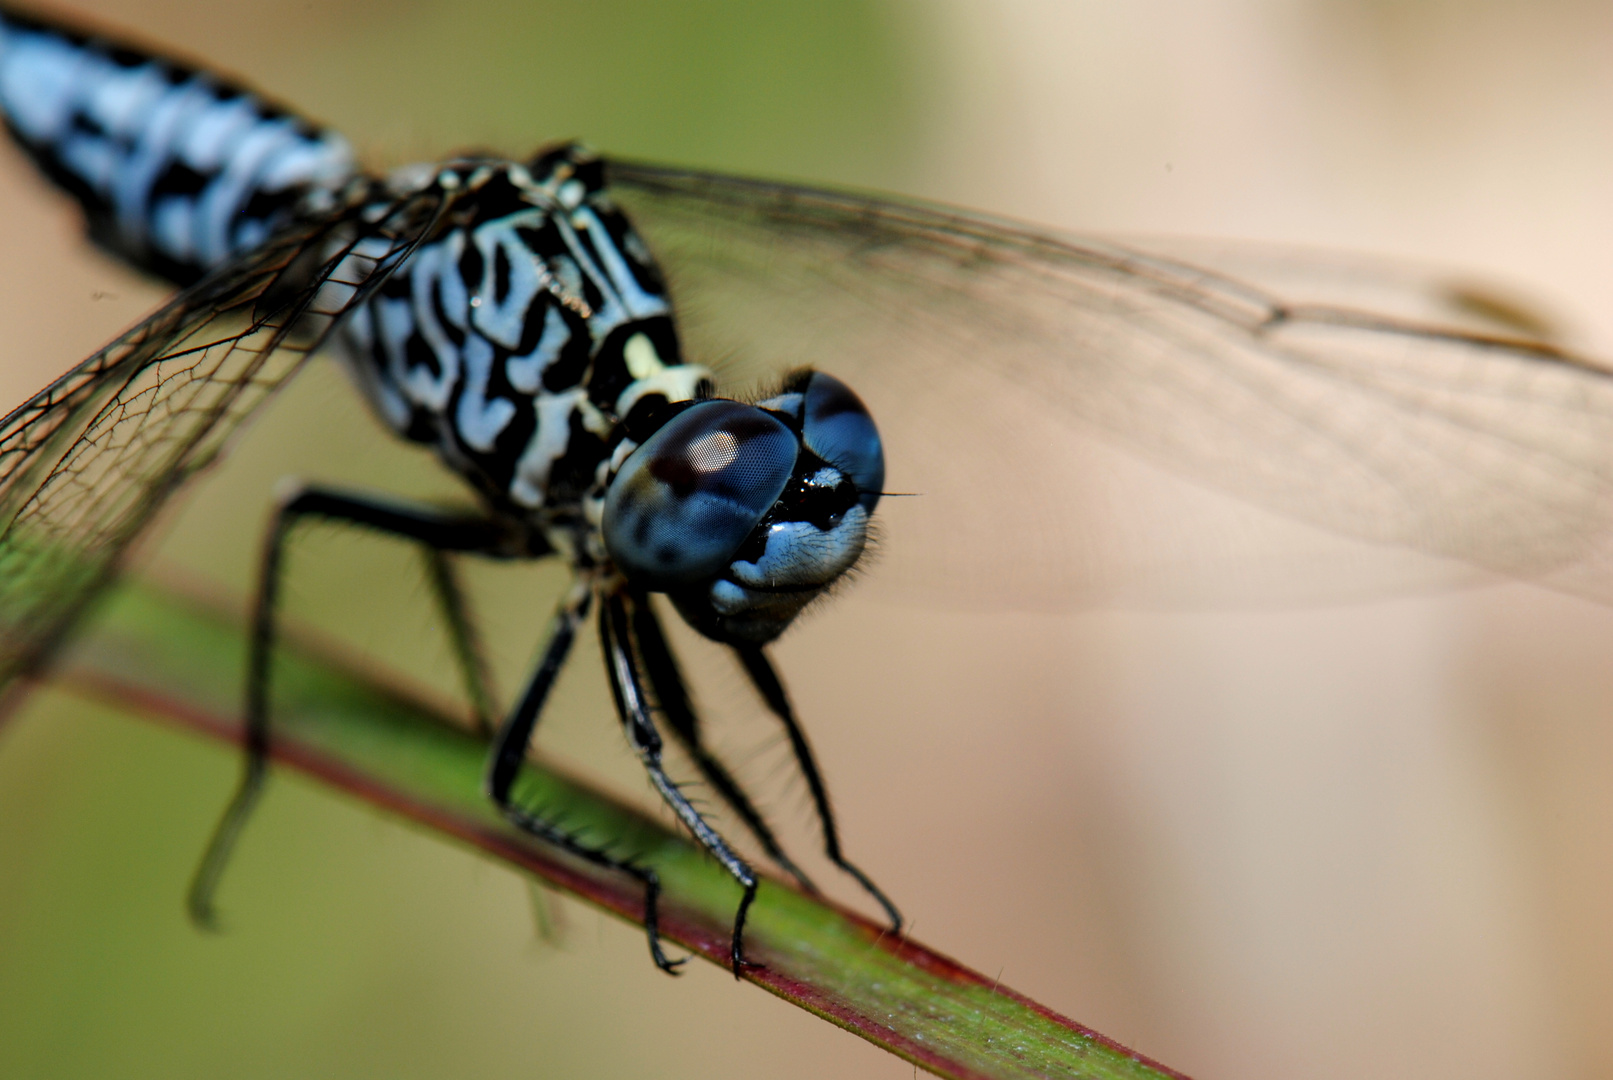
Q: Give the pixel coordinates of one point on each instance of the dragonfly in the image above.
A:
(555, 328)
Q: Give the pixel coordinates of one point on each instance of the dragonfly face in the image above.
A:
(746, 514)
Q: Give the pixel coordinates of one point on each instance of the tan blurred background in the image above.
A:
(1373, 839)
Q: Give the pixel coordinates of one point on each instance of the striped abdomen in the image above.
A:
(176, 169)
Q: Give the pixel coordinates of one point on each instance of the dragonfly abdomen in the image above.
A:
(178, 171)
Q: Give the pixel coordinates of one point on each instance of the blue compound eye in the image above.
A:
(836, 427)
(684, 501)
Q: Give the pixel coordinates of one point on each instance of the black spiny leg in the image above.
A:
(439, 530)
(628, 689)
(666, 683)
(509, 751)
(768, 685)
(462, 636)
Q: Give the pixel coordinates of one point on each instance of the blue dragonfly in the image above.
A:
(557, 330)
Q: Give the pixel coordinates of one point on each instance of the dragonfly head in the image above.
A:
(744, 514)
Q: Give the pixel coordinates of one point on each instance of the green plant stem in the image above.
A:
(158, 655)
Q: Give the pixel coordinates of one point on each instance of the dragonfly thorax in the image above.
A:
(524, 338)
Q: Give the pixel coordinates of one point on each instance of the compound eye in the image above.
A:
(684, 502)
(836, 426)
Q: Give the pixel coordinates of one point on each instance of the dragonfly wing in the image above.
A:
(1405, 290)
(1004, 367)
(86, 463)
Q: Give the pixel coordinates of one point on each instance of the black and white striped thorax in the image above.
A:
(525, 339)
(178, 171)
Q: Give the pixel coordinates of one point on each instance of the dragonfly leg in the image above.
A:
(438, 530)
(462, 636)
(509, 751)
(767, 683)
(668, 688)
(628, 689)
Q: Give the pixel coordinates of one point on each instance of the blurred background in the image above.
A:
(1255, 841)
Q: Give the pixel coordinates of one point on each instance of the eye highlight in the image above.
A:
(713, 452)
(685, 501)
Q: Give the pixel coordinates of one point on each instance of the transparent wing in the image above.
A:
(1005, 367)
(1396, 289)
(87, 462)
